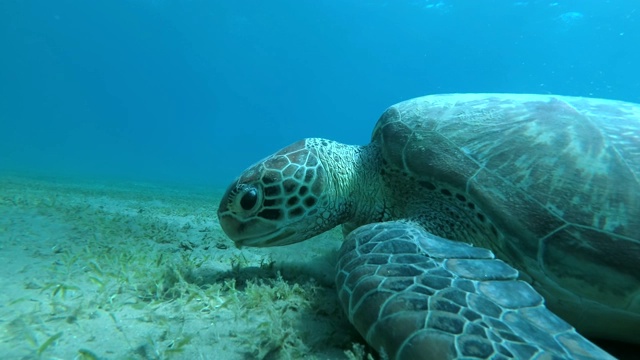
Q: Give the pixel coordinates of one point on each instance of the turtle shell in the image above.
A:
(549, 183)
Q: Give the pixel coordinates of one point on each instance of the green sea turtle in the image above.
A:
(549, 184)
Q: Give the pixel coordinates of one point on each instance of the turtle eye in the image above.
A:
(249, 199)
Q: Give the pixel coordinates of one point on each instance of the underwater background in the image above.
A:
(122, 122)
(195, 91)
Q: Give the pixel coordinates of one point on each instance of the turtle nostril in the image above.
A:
(249, 199)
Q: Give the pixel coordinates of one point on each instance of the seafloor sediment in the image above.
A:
(121, 270)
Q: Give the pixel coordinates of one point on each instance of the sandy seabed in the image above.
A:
(122, 270)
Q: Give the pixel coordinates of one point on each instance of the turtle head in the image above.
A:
(283, 199)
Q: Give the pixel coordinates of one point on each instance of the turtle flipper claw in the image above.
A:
(415, 295)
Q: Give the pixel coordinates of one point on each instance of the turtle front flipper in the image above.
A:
(413, 295)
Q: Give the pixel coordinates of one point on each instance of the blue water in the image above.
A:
(195, 91)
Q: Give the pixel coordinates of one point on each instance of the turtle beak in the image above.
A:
(279, 237)
(254, 231)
